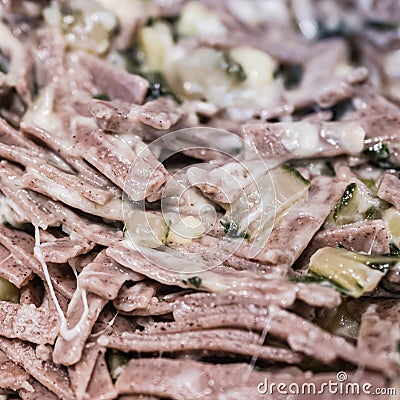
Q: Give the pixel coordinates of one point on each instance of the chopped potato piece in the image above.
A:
(185, 230)
(197, 20)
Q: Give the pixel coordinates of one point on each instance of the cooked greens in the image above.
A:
(233, 68)
(356, 273)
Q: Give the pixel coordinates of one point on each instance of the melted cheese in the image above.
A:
(67, 334)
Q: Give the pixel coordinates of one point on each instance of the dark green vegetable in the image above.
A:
(293, 171)
(371, 184)
(344, 201)
(291, 75)
(233, 68)
(134, 59)
(35, 88)
(380, 25)
(312, 277)
(195, 281)
(341, 108)
(102, 96)
(67, 9)
(303, 112)
(379, 151)
(357, 273)
(372, 213)
(326, 32)
(150, 21)
(228, 225)
(348, 272)
(231, 229)
(165, 240)
(394, 250)
(4, 221)
(173, 22)
(381, 264)
(158, 86)
(4, 64)
(379, 155)
(116, 360)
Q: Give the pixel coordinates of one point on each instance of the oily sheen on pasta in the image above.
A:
(199, 199)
